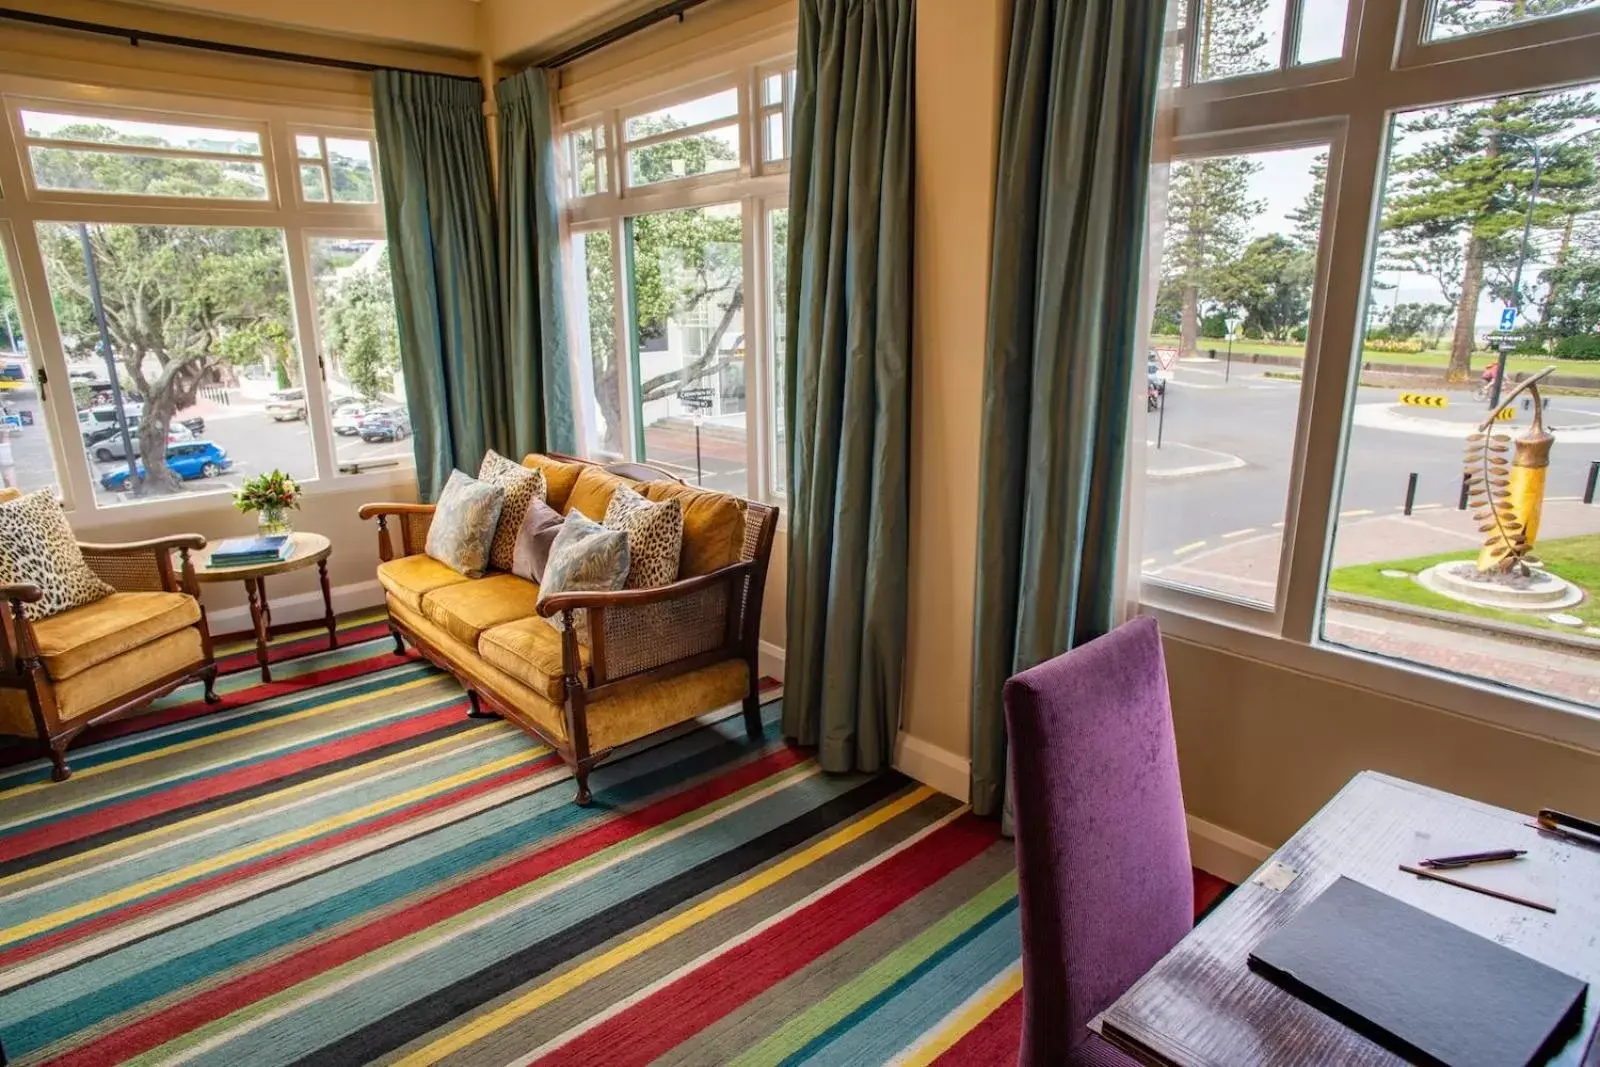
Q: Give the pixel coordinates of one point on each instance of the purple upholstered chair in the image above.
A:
(1103, 873)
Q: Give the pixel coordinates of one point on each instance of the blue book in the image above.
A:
(239, 551)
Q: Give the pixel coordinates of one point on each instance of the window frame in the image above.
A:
(1385, 70)
(22, 207)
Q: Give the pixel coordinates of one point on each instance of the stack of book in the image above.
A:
(251, 551)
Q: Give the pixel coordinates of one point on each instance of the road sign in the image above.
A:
(1508, 318)
(1233, 325)
(697, 398)
(1424, 400)
(1166, 358)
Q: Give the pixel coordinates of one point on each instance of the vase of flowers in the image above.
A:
(271, 496)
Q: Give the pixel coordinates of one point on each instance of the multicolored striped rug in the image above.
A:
(339, 867)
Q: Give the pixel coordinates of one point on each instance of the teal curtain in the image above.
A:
(847, 378)
(538, 376)
(433, 157)
(1075, 138)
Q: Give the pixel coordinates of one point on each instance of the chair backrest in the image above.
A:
(1104, 883)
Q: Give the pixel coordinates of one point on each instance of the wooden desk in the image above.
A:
(309, 549)
(1202, 1006)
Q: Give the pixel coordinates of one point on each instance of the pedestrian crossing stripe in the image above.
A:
(1425, 400)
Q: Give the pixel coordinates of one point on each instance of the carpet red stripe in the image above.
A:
(155, 1030)
(992, 1043)
(1207, 888)
(129, 912)
(677, 1012)
(301, 646)
(115, 815)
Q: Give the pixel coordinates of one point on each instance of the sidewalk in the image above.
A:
(1175, 459)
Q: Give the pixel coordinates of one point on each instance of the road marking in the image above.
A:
(1355, 513)
(1239, 533)
(1143, 563)
(1425, 507)
(1277, 525)
(1190, 547)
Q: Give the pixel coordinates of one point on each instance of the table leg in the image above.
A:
(327, 604)
(260, 618)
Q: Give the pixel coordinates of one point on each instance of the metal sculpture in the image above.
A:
(1507, 491)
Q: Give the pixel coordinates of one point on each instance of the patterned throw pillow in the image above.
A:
(586, 558)
(655, 536)
(37, 547)
(464, 524)
(523, 486)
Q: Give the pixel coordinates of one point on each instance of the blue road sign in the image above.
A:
(1508, 318)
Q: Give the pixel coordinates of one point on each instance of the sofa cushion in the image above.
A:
(149, 663)
(529, 651)
(655, 536)
(559, 477)
(410, 578)
(37, 548)
(534, 541)
(592, 493)
(523, 486)
(585, 558)
(464, 611)
(713, 526)
(464, 524)
(80, 638)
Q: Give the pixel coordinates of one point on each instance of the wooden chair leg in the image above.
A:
(752, 717)
(209, 676)
(59, 771)
(477, 710)
(581, 773)
(399, 642)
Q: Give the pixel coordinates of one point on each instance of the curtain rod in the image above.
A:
(673, 10)
(138, 37)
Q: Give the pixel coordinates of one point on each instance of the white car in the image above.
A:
(347, 419)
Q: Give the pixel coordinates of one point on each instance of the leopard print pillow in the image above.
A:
(37, 547)
(522, 486)
(655, 536)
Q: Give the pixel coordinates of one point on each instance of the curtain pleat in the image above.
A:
(434, 162)
(847, 378)
(1075, 143)
(538, 375)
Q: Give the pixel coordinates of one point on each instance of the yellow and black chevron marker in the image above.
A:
(1505, 415)
(1425, 400)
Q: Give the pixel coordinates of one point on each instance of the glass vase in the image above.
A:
(271, 521)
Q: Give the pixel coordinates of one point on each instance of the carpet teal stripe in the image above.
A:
(889, 1022)
(53, 1007)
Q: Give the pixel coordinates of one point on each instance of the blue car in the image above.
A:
(189, 460)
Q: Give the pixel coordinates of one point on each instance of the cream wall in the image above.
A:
(444, 25)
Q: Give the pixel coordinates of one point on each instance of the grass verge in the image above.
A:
(1577, 559)
(1440, 358)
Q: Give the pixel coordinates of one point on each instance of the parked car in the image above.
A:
(385, 424)
(287, 405)
(13, 375)
(105, 444)
(347, 419)
(188, 460)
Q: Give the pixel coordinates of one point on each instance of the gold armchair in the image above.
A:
(65, 673)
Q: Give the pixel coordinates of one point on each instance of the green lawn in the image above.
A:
(1440, 358)
(1577, 559)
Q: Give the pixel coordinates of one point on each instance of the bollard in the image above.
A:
(1411, 491)
(1161, 414)
(1212, 352)
(1466, 481)
(1594, 476)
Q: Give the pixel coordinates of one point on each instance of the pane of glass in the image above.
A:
(597, 341)
(202, 343)
(585, 172)
(26, 459)
(689, 113)
(361, 352)
(1321, 31)
(1239, 37)
(311, 186)
(772, 89)
(772, 137)
(1223, 374)
(94, 129)
(309, 146)
(1454, 585)
(778, 301)
(1174, 37)
(1454, 18)
(688, 315)
(350, 171)
(703, 153)
(85, 170)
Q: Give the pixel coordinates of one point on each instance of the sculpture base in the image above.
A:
(1537, 591)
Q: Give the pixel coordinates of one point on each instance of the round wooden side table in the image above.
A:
(309, 548)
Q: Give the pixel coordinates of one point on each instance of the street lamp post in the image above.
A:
(1540, 158)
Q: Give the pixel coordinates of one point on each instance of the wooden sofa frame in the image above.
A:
(743, 583)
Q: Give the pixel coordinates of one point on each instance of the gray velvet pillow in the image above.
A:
(534, 540)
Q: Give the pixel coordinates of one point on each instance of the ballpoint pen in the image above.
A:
(1469, 858)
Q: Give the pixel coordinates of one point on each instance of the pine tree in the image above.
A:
(1233, 40)
(1307, 218)
(1208, 219)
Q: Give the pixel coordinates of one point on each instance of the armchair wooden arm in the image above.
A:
(414, 522)
(21, 593)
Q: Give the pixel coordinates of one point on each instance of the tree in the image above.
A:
(1467, 186)
(1208, 217)
(10, 317)
(1453, 17)
(1428, 321)
(1233, 39)
(1271, 283)
(360, 331)
(1307, 218)
(1573, 308)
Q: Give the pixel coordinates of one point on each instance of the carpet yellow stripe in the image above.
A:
(959, 1023)
(593, 968)
(248, 852)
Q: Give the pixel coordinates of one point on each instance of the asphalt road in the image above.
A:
(1251, 418)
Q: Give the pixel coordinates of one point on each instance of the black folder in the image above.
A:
(1424, 988)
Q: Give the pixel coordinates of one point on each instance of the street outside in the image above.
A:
(1217, 489)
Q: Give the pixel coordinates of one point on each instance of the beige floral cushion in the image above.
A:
(463, 524)
(655, 536)
(523, 485)
(37, 547)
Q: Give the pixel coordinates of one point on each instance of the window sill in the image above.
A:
(1526, 713)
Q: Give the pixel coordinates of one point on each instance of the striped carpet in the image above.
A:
(339, 867)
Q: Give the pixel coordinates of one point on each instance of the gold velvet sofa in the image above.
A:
(65, 673)
(655, 657)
